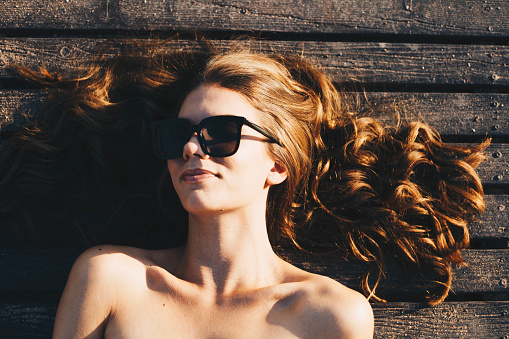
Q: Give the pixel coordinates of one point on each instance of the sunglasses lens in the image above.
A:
(170, 139)
(221, 137)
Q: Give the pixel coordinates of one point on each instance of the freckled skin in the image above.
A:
(226, 282)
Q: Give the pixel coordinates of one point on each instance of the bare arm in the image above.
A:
(88, 298)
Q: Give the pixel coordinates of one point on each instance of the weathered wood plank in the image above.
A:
(46, 270)
(479, 114)
(392, 320)
(17, 106)
(27, 320)
(494, 222)
(446, 320)
(387, 63)
(495, 170)
(448, 17)
(467, 114)
(487, 271)
(35, 269)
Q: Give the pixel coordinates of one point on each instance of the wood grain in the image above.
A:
(18, 108)
(446, 320)
(494, 221)
(27, 320)
(38, 270)
(444, 18)
(465, 114)
(369, 62)
(495, 170)
(487, 271)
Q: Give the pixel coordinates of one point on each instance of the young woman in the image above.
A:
(262, 152)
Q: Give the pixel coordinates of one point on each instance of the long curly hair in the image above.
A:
(84, 172)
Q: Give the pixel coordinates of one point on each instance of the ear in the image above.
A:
(277, 174)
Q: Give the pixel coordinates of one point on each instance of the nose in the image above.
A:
(193, 147)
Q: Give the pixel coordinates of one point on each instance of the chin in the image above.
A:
(195, 206)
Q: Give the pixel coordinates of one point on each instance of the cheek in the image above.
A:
(253, 167)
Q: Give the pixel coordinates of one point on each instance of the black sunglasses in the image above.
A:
(219, 136)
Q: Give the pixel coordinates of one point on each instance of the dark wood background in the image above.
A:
(450, 58)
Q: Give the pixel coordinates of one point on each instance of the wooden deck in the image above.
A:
(450, 58)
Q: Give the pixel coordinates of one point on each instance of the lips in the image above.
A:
(196, 174)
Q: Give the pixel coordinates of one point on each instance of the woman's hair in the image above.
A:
(355, 186)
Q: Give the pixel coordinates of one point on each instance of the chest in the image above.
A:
(156, 315)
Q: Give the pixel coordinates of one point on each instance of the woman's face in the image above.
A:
(207, 184)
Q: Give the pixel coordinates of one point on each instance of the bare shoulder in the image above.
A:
(107, 263)
(105, 254)
(332, 310)
(97, 278)
(100, 270)
(119, 266)
(350, 312)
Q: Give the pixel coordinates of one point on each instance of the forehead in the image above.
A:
(212, 100)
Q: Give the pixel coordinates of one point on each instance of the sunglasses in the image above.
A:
(219, 136)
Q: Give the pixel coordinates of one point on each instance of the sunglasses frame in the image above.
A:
(191, 129)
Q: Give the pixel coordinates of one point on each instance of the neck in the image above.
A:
(228, 252)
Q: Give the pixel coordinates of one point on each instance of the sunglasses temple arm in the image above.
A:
(262, 131)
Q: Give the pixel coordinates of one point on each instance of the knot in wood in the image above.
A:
(65, 51)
